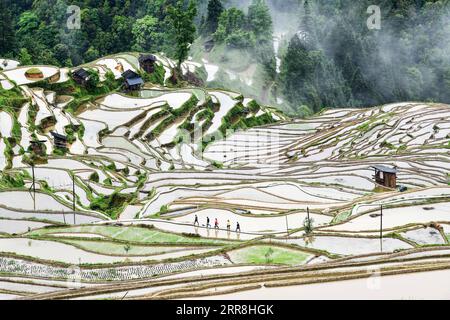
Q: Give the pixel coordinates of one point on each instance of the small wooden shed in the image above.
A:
(147, 62)
(60, 140)
(129, 74)
(386, 176)
(132, 81)
(133, 84)
(80, 76)
(208, 45)
(38, 146)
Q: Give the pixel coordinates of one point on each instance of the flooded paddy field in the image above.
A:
(169, 187)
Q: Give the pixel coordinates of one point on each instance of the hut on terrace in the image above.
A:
(38, 146)
(59, 140)
(132, 81)
(80, 76)
(129, 74)
(385, 176)
(208, 45)
(147, 62)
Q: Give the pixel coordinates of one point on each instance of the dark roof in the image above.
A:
(147, 57)
(134, 81)
(38, 141)
(385, 169)
(58, 136)
(129, 74)
(81, 73)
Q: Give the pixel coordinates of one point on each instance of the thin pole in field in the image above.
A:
(381, 227)
(287, 228)
(73, 190)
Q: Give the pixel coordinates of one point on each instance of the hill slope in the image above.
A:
(142, 167)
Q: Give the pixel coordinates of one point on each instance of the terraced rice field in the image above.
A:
(116, 212)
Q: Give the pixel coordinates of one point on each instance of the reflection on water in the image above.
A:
(218, 233)
(309, 240)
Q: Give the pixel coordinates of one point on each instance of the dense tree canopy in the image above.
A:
(215, 9)
(333, 60)
(107, 27)
(182, 31)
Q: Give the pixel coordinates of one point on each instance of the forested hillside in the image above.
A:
(37, 30)
(323, 55)
(338, 61)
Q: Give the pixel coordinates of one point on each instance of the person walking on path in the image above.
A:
(208, 225)
(196, 221)
(228, 225)
(238, 227)
(216, 224)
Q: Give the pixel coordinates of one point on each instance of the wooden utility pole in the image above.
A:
(34, 187)
(287, 228)
(73, 191)
(307, 212)
(381, 227)
(34, 180)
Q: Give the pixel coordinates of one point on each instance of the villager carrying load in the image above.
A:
(216, 224)
(196, 221)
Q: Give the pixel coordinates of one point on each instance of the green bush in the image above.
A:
(156, 77)
(94, 177)
(12, 180)
(111, 205)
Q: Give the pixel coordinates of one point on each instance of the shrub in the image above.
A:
(94, 177)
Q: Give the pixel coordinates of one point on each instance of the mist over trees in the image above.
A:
(336, 61)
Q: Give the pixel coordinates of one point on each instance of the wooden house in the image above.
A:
(147, 62)
(132, 81)
(208, 45)
(38, 147)
(129, 74)
(80, 76)
(385, 176)
(60, 140)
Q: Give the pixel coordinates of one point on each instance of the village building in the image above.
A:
(147, 62)
(38, 147)
(80, 76)
(209, 45)
(385, 176)
(60, 140)
(132, 81)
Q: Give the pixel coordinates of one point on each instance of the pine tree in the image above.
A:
(306, 29)
(181, 21)
(260, 20)
(215, 9)
(24, 57)
(7, 35)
